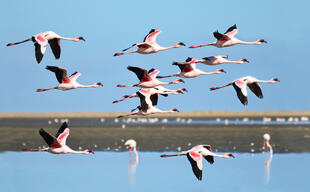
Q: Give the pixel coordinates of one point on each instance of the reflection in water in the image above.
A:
(267, 160)
(132, 163)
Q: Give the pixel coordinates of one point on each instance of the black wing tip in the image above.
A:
(151, 70)
(188, 59)
(152, 31)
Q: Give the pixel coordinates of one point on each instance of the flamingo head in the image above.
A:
(262, 41)
(276, 80)
(178, 81)
(245, 60)
(88, 151)
(131, 143)
(182, 90)
(118, 54)
(174, 110)
(99, 84)
(177, 45)
(221, 71)
(79, 39)
(213, 88)
(230, 155)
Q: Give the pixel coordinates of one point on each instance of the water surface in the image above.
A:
(111, 171)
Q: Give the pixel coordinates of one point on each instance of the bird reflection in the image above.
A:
(133, 163)
(267, 159)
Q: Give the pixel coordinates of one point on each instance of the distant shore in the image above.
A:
(192, 114)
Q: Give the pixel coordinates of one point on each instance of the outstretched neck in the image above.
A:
(249, 43)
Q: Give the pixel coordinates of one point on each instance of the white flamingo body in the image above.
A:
(42, 39)
(66, 83)
(148, 78)
(195, 155)
(241, 84)
(156, 90)
(219, 59)
(189, 70)
(227, 39)
(57, 144)
(147, 103)
(149, 45)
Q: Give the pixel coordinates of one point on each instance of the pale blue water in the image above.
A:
(109, 171)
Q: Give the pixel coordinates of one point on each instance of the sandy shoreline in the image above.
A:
(192, 114)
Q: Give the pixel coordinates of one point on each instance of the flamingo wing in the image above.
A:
(142, 74)
(240, 88)
(211, 58)
(55, 46)
(255, 88)
(49, 139)
(153, 73)
(151, 37)
(144, 45)
(39, 51)
(143, 103)
(231, 31)
(63, 133)
(185, 68)
(209, 158)
(220, 36)
(61, 74)
(154, 99)
(74, 76)
(196, 161)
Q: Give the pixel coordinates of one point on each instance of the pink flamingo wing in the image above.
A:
(152, 36)
(63, 136)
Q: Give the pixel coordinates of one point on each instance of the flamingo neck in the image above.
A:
(249, 43)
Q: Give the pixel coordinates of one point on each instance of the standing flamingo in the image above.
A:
(132, 164)
(189, 70)
(65, 82)
(215, 60)
(132, 147)
(227, 39)
(149, 45)
(147, 103)
(57, 144)
(240, 87)
(195, 154)
(156, 90)
(42, 39)
(148, 78)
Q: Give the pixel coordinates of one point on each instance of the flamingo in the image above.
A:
(57, 143)
(149, 45)
(147, 103)
(65, 82)
(227, 39)
(132, 147)
(148, 78)
(189, 70)
(195, 154)
(42, 39)
(267, 145)
(240, 87)
(156, 90)
(215, 60)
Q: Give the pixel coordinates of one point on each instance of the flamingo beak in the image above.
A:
(222, 70)
(81, 38)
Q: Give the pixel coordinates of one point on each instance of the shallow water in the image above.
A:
(111, 171)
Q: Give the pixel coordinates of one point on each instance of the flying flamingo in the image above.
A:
(147, 103)
(215, 60)
(189, 70)
(240, 87)
(57, 144)
(42, 39)
(148, 78)
(227, 39)
(149, 45)
(195, 155)
(65, 82)
(156, 90)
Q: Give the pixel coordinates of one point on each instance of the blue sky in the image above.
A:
(110, 26)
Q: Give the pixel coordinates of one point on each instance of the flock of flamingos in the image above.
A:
(150, 87)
